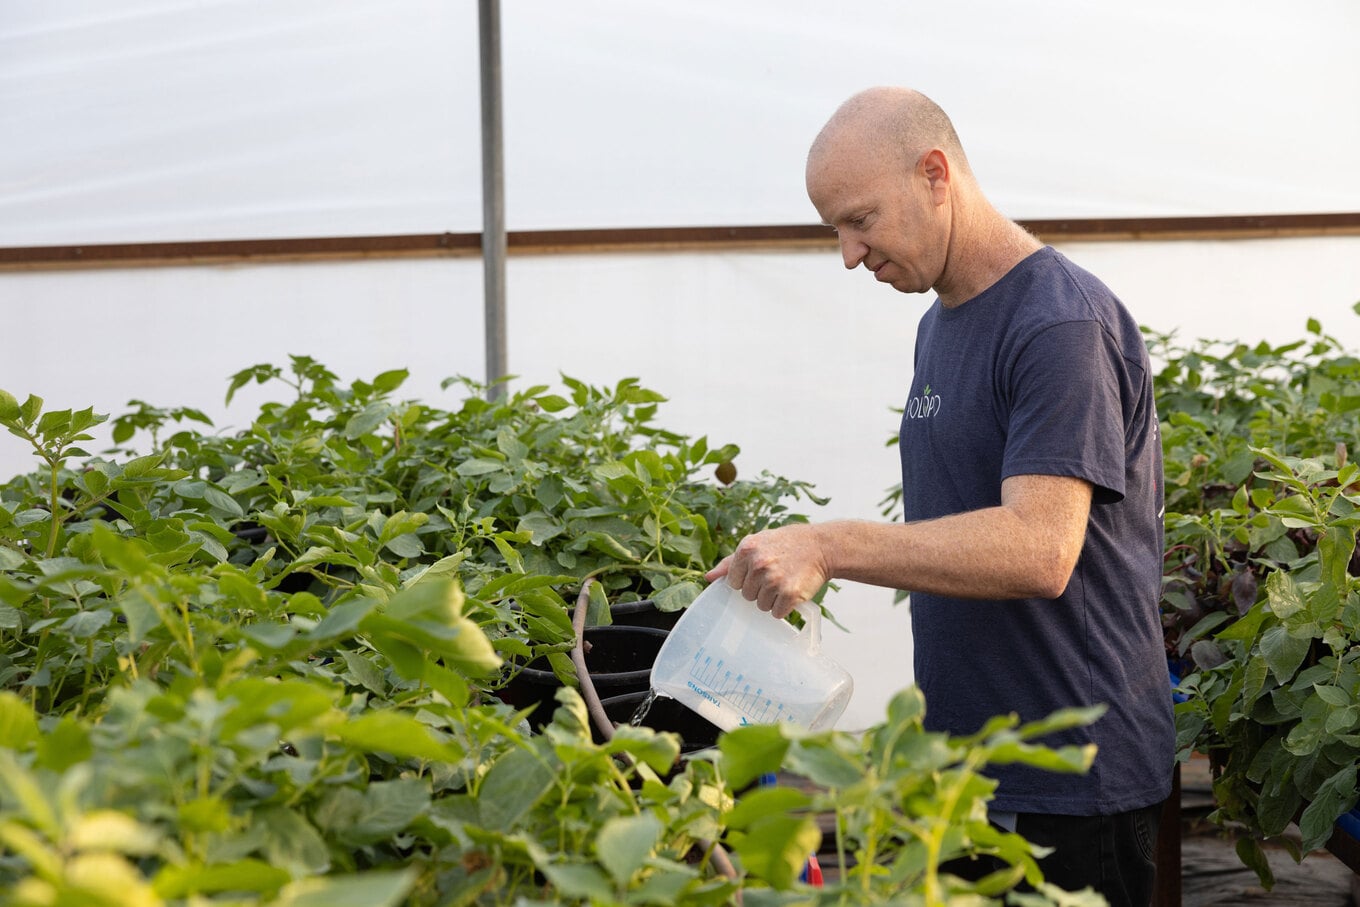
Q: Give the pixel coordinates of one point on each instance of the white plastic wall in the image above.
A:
(786, 354)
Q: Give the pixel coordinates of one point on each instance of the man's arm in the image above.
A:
(1026, 547)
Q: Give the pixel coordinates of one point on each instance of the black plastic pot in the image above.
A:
(643, 613)
(665, 714)
(618, 658)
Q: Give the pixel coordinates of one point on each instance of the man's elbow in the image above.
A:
(1052, 587)
(1052, 575)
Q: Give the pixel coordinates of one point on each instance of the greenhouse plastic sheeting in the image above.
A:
(156, 120)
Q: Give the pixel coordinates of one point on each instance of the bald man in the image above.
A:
(1032, 490)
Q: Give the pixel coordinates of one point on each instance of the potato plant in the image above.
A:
(1261, 603)
(262, 669)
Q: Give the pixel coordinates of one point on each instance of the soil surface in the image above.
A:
(1212, 875)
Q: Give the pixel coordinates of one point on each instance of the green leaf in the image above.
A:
(479, 467)
(342, 620)
(668, 884)
(375, 888)
(18, 722)
(623, 845)
(751, 751)
(1238, 467)
(111, 831)
(1062, 720)
(62, 747)
(221, 501)
(462, 645)
(658, 751)
(1282, 592)
(22, 788)
(364, 672)
(1336, 795)
(764, 802)
(271, 635)
(540, 526)
(408, 546)
(142, 616)
(608, 545)
(552, 403)
(551, 491)
(615, 472)
(513, 559)
(1069, 759)
(377, 812)
(1335, 547)
(1283, 652)
(140, 467)
(210, 814)
(776, 847)
(179, 881)
(95, 481)
(84, 624)
(1206, 624)
(677, 596)
(818, 760)
(399, 734)
(512, 786)
(1245, 628)
(390, 380)
(1332, 695)
(9, 407)
(290, 841)
(287, 704)
(1342, 720)
(579, 880)
(30, 408)
(369, 418)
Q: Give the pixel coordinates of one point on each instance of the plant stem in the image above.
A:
(53, 500)
(935, 840)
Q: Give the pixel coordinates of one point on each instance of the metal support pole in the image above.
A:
(493, 196)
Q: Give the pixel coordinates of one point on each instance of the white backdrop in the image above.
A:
(212, 119)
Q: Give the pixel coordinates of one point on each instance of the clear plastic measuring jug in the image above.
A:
(735, 664)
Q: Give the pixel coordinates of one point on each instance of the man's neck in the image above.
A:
(985, 247)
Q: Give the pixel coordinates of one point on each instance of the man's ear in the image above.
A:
(935, 167)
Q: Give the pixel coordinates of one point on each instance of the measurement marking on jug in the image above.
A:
(725, 687)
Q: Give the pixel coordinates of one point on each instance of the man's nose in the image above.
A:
(852, 251)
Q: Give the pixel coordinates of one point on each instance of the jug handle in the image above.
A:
(812, 625)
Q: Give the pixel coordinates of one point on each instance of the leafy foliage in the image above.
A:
(262, 669)
(905, 801)
(1261, 602)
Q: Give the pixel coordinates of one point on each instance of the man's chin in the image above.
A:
(905, 285)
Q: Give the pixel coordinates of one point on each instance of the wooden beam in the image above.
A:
(237, 251)
(641, 239)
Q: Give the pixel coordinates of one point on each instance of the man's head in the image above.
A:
(885, 172)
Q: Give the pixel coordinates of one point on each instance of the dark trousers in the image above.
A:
(1115, 855)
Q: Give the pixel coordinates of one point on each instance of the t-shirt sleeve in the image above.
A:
(1066, 412)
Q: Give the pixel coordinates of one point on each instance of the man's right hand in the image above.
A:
(778, 569)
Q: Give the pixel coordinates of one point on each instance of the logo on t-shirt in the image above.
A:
(924, 406)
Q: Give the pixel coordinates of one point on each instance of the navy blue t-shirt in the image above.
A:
(1046, 373)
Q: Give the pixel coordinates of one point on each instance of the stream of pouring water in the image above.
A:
(643, 708)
